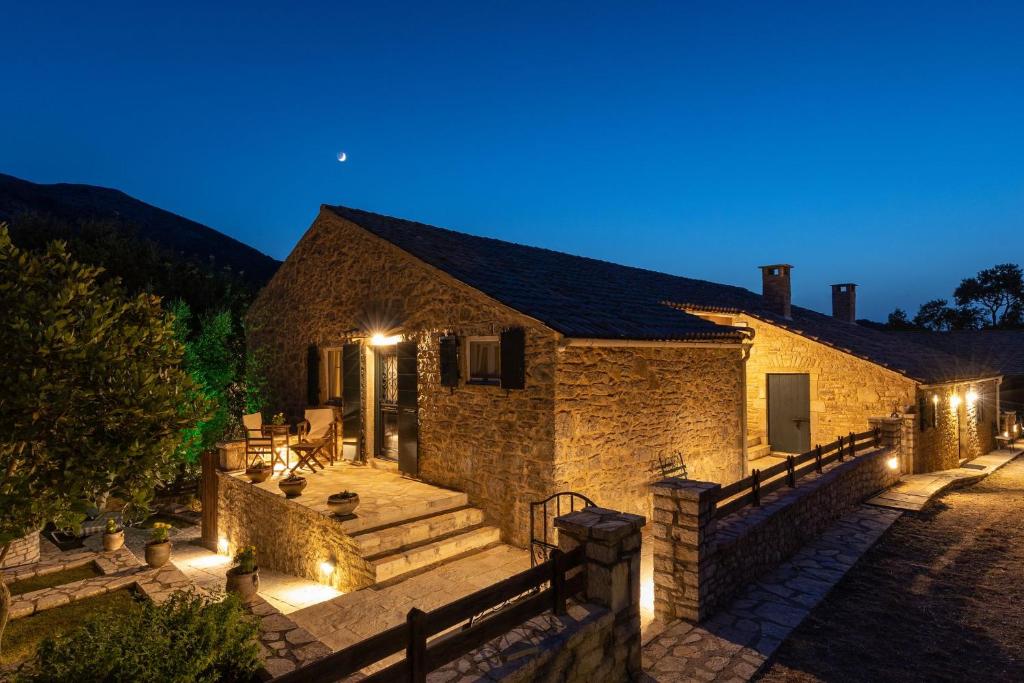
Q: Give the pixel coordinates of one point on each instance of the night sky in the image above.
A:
(875, 143)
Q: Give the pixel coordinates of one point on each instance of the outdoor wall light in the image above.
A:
(954, 401)
(222, 546)
(893, 463)
(381, 339)
(935, 399)
(972, 396)
(327, 568)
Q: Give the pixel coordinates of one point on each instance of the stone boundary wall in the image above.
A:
(289, 538)
(24, 550)
(700, 562)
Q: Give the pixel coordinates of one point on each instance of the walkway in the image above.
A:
(941, 597)
(915, 490)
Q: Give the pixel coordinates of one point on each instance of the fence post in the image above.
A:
(840, 442)
(416, 649)
(817, 457)
(755, 486)
(878, 437)
(853, 445)
(558, 581)
(791, 471)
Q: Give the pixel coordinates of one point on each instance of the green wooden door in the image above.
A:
(789, 412)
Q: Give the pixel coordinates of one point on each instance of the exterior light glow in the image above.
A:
(1006, 435)
(379, 339)
(935, 399)
(222, 546)
(326, 568)
(893, 463)
(972, 396)
(954, 401)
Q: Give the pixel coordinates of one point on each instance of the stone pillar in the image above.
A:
(893, 431)
(231, 456)
(612, 541)
(684, 562)
(209, 492)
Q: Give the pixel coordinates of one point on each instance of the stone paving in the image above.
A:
(736, 642)
(284, 645)
(354, 617)
(915, 490)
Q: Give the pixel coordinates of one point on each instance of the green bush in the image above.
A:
(187, 638)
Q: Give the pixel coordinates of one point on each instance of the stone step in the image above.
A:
(453, 500)
(754, 440)
(410, 559)
(414, 531)
(764, 462)
(758, 451)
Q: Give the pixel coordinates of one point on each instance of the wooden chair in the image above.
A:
(257, 446)
(316, 439)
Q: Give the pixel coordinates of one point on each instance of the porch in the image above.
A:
(401, 525)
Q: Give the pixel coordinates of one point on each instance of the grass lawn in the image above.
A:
(22, 636)
(86, 571)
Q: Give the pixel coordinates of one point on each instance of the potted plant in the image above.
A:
(113, 536)
(244, 577)
(292, 485)
(258, 471)
(158, 547)
(278, 419)
(343, 503)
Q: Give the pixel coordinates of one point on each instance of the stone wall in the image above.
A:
(960, 432)
(494, 444)
(700, 562)
(24, 550)
(289, 538)
(845, 390)
(619, 408)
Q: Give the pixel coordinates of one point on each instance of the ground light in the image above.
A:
(893, 463)
(326, 568)
(222, 546)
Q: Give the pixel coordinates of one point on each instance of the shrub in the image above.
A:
(187, 638)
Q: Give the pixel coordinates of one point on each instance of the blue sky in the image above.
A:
(879, 143)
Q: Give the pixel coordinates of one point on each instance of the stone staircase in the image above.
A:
(448, 531)
(759, 453)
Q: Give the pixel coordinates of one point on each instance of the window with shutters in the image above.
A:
(483, 360)
(333, 369)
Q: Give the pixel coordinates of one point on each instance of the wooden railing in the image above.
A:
(514, 600)
(749, 491)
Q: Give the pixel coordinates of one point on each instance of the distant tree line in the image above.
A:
(992, 299)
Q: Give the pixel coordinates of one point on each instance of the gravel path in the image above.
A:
(939, 598)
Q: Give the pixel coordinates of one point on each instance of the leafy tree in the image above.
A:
(935, 315)
(898, 320)
(997, 292)
(92, 392)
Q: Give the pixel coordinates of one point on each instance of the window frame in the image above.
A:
(339, 373)
(483, 381)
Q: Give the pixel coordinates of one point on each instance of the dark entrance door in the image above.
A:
(789, 413)
(397, 424)
(352, 402)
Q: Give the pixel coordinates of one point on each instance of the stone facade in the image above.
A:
(962, 429)
(289, 538)
(24, 550)
(618, 409)
(700, 562)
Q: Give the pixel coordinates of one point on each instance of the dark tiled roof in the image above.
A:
(584, 297)
(1000, 349)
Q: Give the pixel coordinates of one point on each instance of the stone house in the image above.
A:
(511, 372)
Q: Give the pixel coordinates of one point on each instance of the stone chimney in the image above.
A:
(844, 302)
(776, 289)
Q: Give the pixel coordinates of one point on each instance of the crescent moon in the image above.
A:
(342, 156)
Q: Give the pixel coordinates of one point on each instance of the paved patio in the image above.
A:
(915, 490)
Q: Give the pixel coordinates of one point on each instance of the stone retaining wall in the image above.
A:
(289, 538)
(24, 550)
(700, 562)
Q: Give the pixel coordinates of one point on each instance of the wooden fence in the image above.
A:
(748, 491)
(513, 601)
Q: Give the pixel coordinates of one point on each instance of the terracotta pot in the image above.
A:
(245, 586)
(113, 541)
(158, 554)
(292, 487)
(258, 476)
(343, 506)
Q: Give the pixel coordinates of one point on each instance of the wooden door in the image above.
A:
(408, 415)
(351, 401)
(789, 412)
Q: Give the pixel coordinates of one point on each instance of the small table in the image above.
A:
(279, 435)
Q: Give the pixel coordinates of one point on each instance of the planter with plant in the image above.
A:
(244, 577)
(292, 485)
(158, 547)
(343, 503)
(258, 471)
(113, 536)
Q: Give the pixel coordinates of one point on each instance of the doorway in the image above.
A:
(396, 427)
(789, 412)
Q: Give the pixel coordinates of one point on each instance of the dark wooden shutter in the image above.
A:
(922, 411)
(351, 397)
(408, 419)
(513, 358)
(449, 361)
(313, 375)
